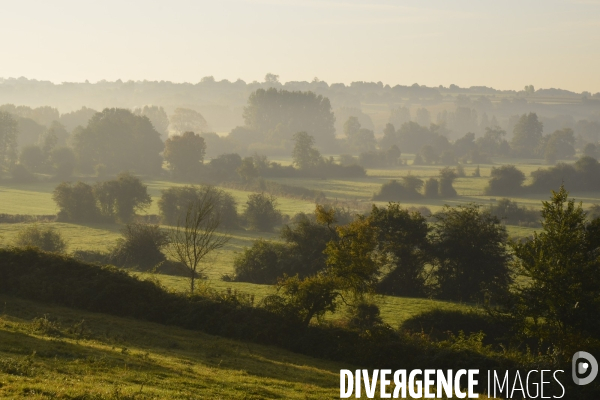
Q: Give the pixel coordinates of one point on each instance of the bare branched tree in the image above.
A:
(196, 235)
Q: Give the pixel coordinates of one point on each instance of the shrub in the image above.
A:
(122, 197)
(44, 238)
(505, 180)
(364, 316)
(447, 177)
(76, 202)
(395, 191)
(261, 213)
(510, 212)
(583, 175)
(470, 248)
(441, 324)
(141, 246)
(431, 188)
(302, 254)
(174, 203)
(264, 262)
(224, 167)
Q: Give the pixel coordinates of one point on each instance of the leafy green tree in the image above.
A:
(44, 238)
(185, 154)
(261, 212)
(358, 138)
(77, 118)
(305, 155)
(262, 263)
(121, 141)
(389, 137)
(307, 240)
(429, 155)
(158, 117)
(350, 260)
(55, 136)
(431, 190)
(174, 202)
(351, 127)
(470, 248)
(402, 249)
(8, 141)
(278, 114)
(400, 116)
(527, 135)
(396, 191)
(301, 254)
(76, 202)
(303, 299)
(122, 197)
(41, 115)
(30, 131)
(505, 180)
(186, 120)
(141, 246)
(248, 171)
(32, 157)
(560, 145)
(412, 137)
(493, 142)
(63, 161)
(224, 167)
(561, 265)
(447, 177)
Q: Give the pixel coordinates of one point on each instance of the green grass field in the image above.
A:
(49, 352)
(53, 352)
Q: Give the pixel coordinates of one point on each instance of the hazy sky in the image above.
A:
(504, 44)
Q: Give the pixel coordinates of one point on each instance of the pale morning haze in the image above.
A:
(299, 199)
(501, 44)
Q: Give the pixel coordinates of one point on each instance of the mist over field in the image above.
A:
(169, 230)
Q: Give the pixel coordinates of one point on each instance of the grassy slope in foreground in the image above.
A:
(48, 352)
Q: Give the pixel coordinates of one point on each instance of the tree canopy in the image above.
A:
(119, 140)
(278, 114)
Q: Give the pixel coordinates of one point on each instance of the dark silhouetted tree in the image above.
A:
(505, 181)
(470, 247)
(305, 155)
(261, 212)
(120, 141)
(527, 135)
(185, 154)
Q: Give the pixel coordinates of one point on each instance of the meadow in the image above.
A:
(36, 199)
(54, 352)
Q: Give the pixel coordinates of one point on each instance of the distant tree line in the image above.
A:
(41, 141)
(507, 180)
